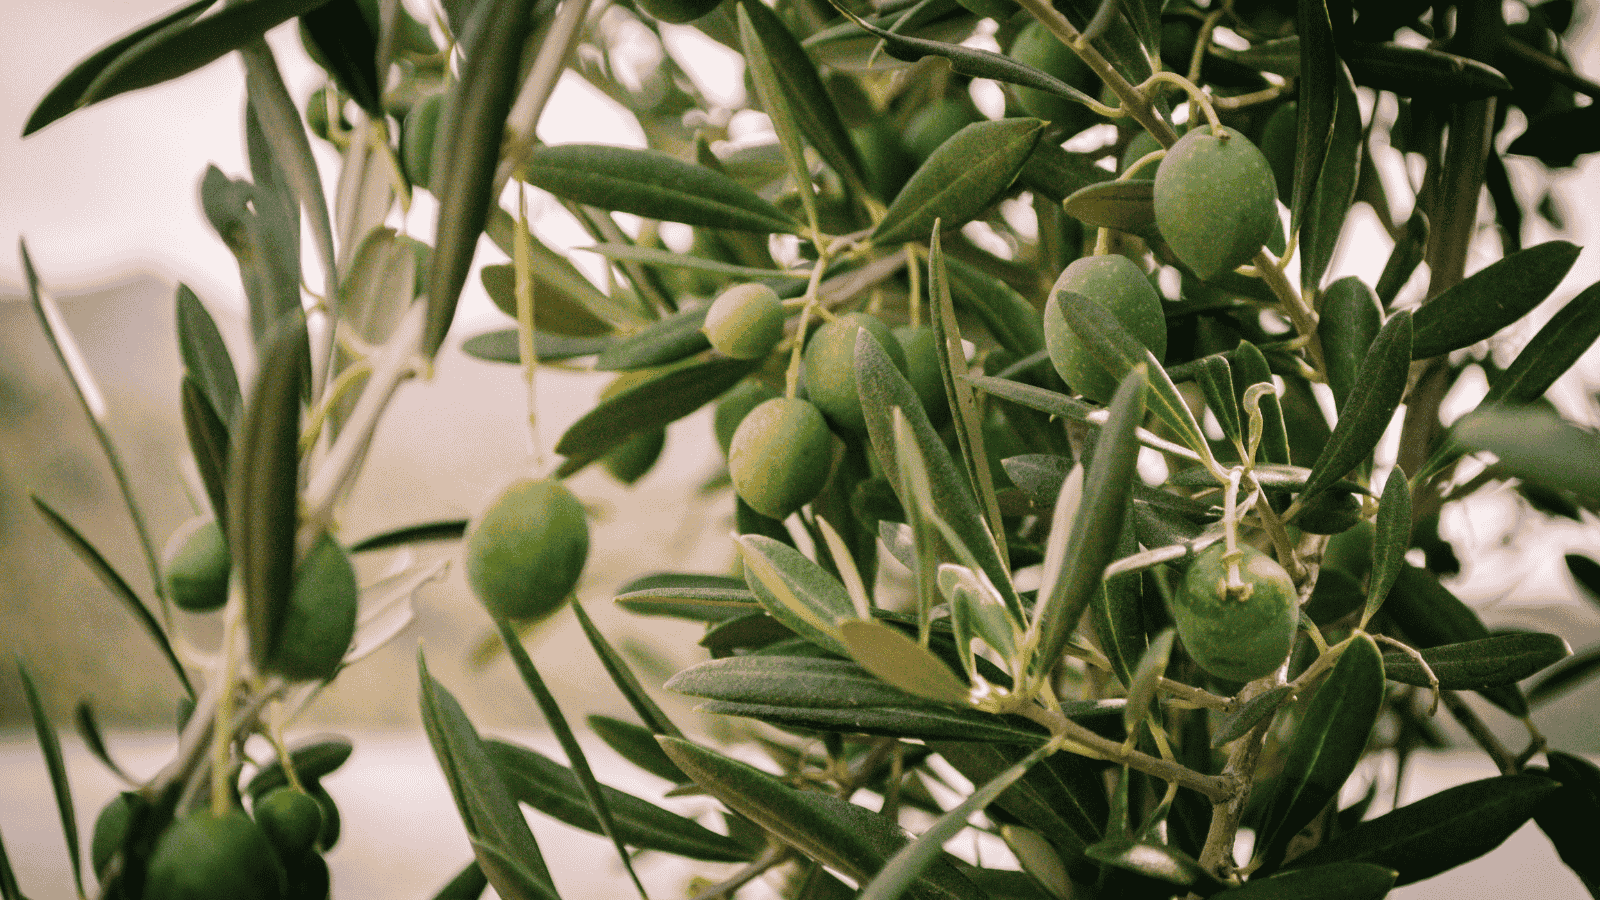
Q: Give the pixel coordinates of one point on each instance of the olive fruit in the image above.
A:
(1279, 139)
(830, 366)
(780, 456)
(291, 820)
(1351, 550)
(1036, 46)
(417, 134)
(1141, 146)
(1330, 512)
(526, 551)
(1216, 201)
(1236, 635)
(1118, 284)
(321, 620)
(111, 829)
(202, 856)
(920, 344)
(745, 321)
(938, 122)
(735, 405)
(678, 12)
(884, 156)
(197, 564)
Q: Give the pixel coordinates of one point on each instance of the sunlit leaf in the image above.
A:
(966, 174)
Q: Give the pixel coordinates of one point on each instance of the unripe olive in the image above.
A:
(1141, 146)
(1351, 550)
(308, 877)
(936, 123)
(1118, 284)
(745, 321)
(291, 820)
(920, 344)
(526, 551)
(207, 857)
(781, 456)
(830, 366)
(884, 155)
(417, 137)
(1036, 46)
(321, 620)
(111, 829)
(1330, 512)
(1236, 635)
(1215, 201)
(1279, 140)
(735, 405)
(197, 564)
(678, 12)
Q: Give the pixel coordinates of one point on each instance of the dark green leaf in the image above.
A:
(1567, 817)
(1062, 799)
(966, 174)
(205, 356)
(443, 530)
(89, 731)
(654, 402)
(1558, 345)
(1350, 319)
(1391, 540)
(838, 834)
(1322, 219)
(1380, 383)
(1007, 314)
(654, 185)
(1215, 377)
(667, 259)
(253, 226)
(1250, 368)
(562, 306)
(1429, 615)
(465, 156)
(1537, 445)
(115, 583)
(553, 789)
(311, 762)
(1424, 73)
(67, 94)
(344, 39)
(263, 482)
(487, 809)
(1239, 722)
(1558, 139)
(1326, 747)
(1319, 74)
(208, 442)
(1409, 249)
(637, 745)
(621, 676)
(1116, 610)
(1124, 205)
(8, 878)
(50, 746)
(657, 344)
(1439, 832)
(1334, 881)
(1566, 676)
(467, 885)
(1054, 173)
(502, 346)
(1490, 299)
(1474, 665)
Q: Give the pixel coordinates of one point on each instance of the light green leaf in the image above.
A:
(796, 591)
(1146, 678)
(888, 653)
(50, 746)
(966, 174)
(1124, 205)
(668, 260)
(1537, 445)
(660, 343)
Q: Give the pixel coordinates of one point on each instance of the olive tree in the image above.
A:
(1055, 444)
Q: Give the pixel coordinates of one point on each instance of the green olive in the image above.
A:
(1236, 634)
(830, 367)
(1141, 146)
(1278, 142)
(1216, 201)
(321, 620)
(291, 820)
(938, 122)
(735, 405)
(207, 857)
(111, 829)
(1330, 512)
(1036, 46)
(1118, 284)
(525, 552)
(745, 321)
(781, 456)
(920, 344)
(197, 564)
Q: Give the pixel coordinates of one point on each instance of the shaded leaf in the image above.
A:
(1567, 817)
(1566, 676)
(622, 676)
(1249, 369)
(1239, 722)
(1391, 540)
(502, 346)
(1409, 249)
(1322, 219)
(1154, 860)
(89, 731)
(209, 443)
(1319, 72)
(1537, 445)
(50, 747)
(468, 884)
(205, 356)
(1116, 610)
(1063, 799)
(660, 343)
(1424, 73)
(349, 50)
(1490, 299)
(1215, 377)
(1146, 678)
(255, 228)
(8, 878)
(1334, 881)
(1553, 350)
(1124, 205)
(1439, 832)
(1005, 313)
(443, 530)
(1350, 319)
(311, 762)
(637, 744)
(1474, 665)
(1560, 138)
(966, 174)
(1429, 615)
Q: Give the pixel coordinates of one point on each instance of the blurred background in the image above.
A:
(107, 201)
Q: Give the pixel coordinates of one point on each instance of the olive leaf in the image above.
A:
(1390, 542)
(660, 343)
(344, 39)
(637, 744)
(1063, 798)
(205, 355)
(1350, 320)
(1564, 677)
(617, 669)
(796, 591)
(1491, 299)
(50, 747)
(1552, 351)
(1537, 445)
(670, 260)
(1249, 369)
(888, 653)
(1409, 249)
(311, 763)
(1315, 61)
(966, 174)
(1146, 678)
(1322, 218)
(1429, 615)
(1334, 881)
(1567, 817)
(1474, 665)
(208, 442)
(1124, 205)
(1005, 313)
(468, 884)
(255, 229)
(1239, 722)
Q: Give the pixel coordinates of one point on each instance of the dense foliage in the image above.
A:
(1066, 372)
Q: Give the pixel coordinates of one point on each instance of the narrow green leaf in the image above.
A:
(637, 744)
(622, 676)
(1391, 540)
(1491, 299)
(209, 443)
(512, 880)
(1350, 320)
(1146, 678)
(1096, 528)
(659, 400)
(1318, 72)
(966, 174)
(89, 731)
(66, 95)
(1537, 445)
(1326, 747)
(1055, 174)
(487, 809)
(1116, 610)
(1475, 665)
(769, 81)
(906, 866)
(380, 280)
(1567, 817)
(1558, 345)
(311, 762)
(1409, 250)
(1424, 73)
(888, 653)
(1215, 377)
(443, 530)
(1566, 676)
(1063, 798)
(205, 356)
(599, 808)
(263, 486)
(8, 878)
(796, 591)
(502, 346)
(1153, 860)
(554, 789)
(660, 343)
(467, 885)
(1334, 881)
(569, 303)
(838, 834)
(244, 219)
(654, 185)
(1380, 383)
(1007, 314)
(1586, 572)
(1327, 206)
(1429, 615)
(1439, 832)
(1124, 205)
(668, 260)
(115, 583)
(187, 44)
(1238, 723)
(344, 39)
(470, 128)
(707, 604)
(50, 746)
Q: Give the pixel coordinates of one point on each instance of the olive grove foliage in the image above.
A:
(1005, 316)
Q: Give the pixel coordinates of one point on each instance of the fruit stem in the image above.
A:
(1079, 739)
(791, 377)
(1197, 97)
(522, 289)
(1416, 657)
(1270, 270)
